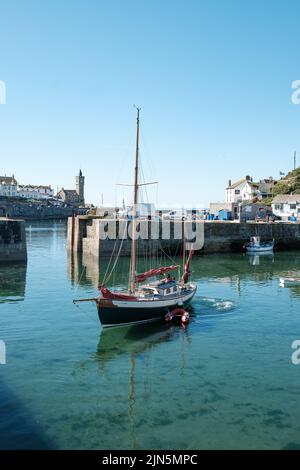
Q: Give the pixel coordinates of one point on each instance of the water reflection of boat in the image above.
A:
(256, 259)
(12, 282)
(131, 340)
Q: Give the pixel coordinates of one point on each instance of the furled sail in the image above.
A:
(187, 272)
(155, 272)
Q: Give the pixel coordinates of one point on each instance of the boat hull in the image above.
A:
(259, 249)
(290, 281)
(119, 313)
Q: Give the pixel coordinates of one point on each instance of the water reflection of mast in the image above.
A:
(131, 402)
(184, 338)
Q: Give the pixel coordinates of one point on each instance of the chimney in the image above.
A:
(248, 178)
(229, 183)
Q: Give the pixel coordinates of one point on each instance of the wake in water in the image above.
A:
(208, 305)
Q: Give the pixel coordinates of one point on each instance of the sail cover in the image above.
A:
(155, 272)
(107, 294)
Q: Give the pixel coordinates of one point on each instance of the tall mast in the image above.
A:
(135, 202)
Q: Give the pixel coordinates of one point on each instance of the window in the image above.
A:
(168, 291)
(237, 191)
(278, 207)
(293, 207)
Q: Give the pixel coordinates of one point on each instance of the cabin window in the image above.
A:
(168, 291)
(174, 288)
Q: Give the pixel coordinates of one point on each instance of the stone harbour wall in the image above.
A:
(219, 236)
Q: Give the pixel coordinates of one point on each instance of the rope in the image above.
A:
(106, 279)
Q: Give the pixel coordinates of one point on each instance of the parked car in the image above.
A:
(180, 214)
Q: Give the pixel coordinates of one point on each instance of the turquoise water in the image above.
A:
(225, 382)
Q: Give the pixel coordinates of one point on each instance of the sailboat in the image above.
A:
(152, 295)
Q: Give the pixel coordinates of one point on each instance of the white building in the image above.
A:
(242, 190)
(35, 192)
(286, 205)
(246, 190)
(8, 186)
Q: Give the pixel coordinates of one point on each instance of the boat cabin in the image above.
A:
(161, 289)
(167, 288)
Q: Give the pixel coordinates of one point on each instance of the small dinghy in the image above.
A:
(289, 281)
(178, 315)
(257, 246)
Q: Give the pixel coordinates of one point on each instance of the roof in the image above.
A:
(8, 180)
(69, 191)
(286, 198)
(244, 180)
(253, 204)
(22, 186)
(237, 183)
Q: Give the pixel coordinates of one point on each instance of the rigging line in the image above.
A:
(143, 178)
(125, 155)
(108, 265)
(118, 254)
(83, 268)
(111, 256)
(80, 277)
(163, 251)
(106, 277)
(150, 161)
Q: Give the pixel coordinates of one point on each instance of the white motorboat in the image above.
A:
(257, 246)
(289, 281)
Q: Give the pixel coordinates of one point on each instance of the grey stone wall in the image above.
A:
(13, 246)
(33, 211)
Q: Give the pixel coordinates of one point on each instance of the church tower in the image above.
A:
(80, 187)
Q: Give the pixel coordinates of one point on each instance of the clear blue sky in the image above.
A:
(213, 79)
